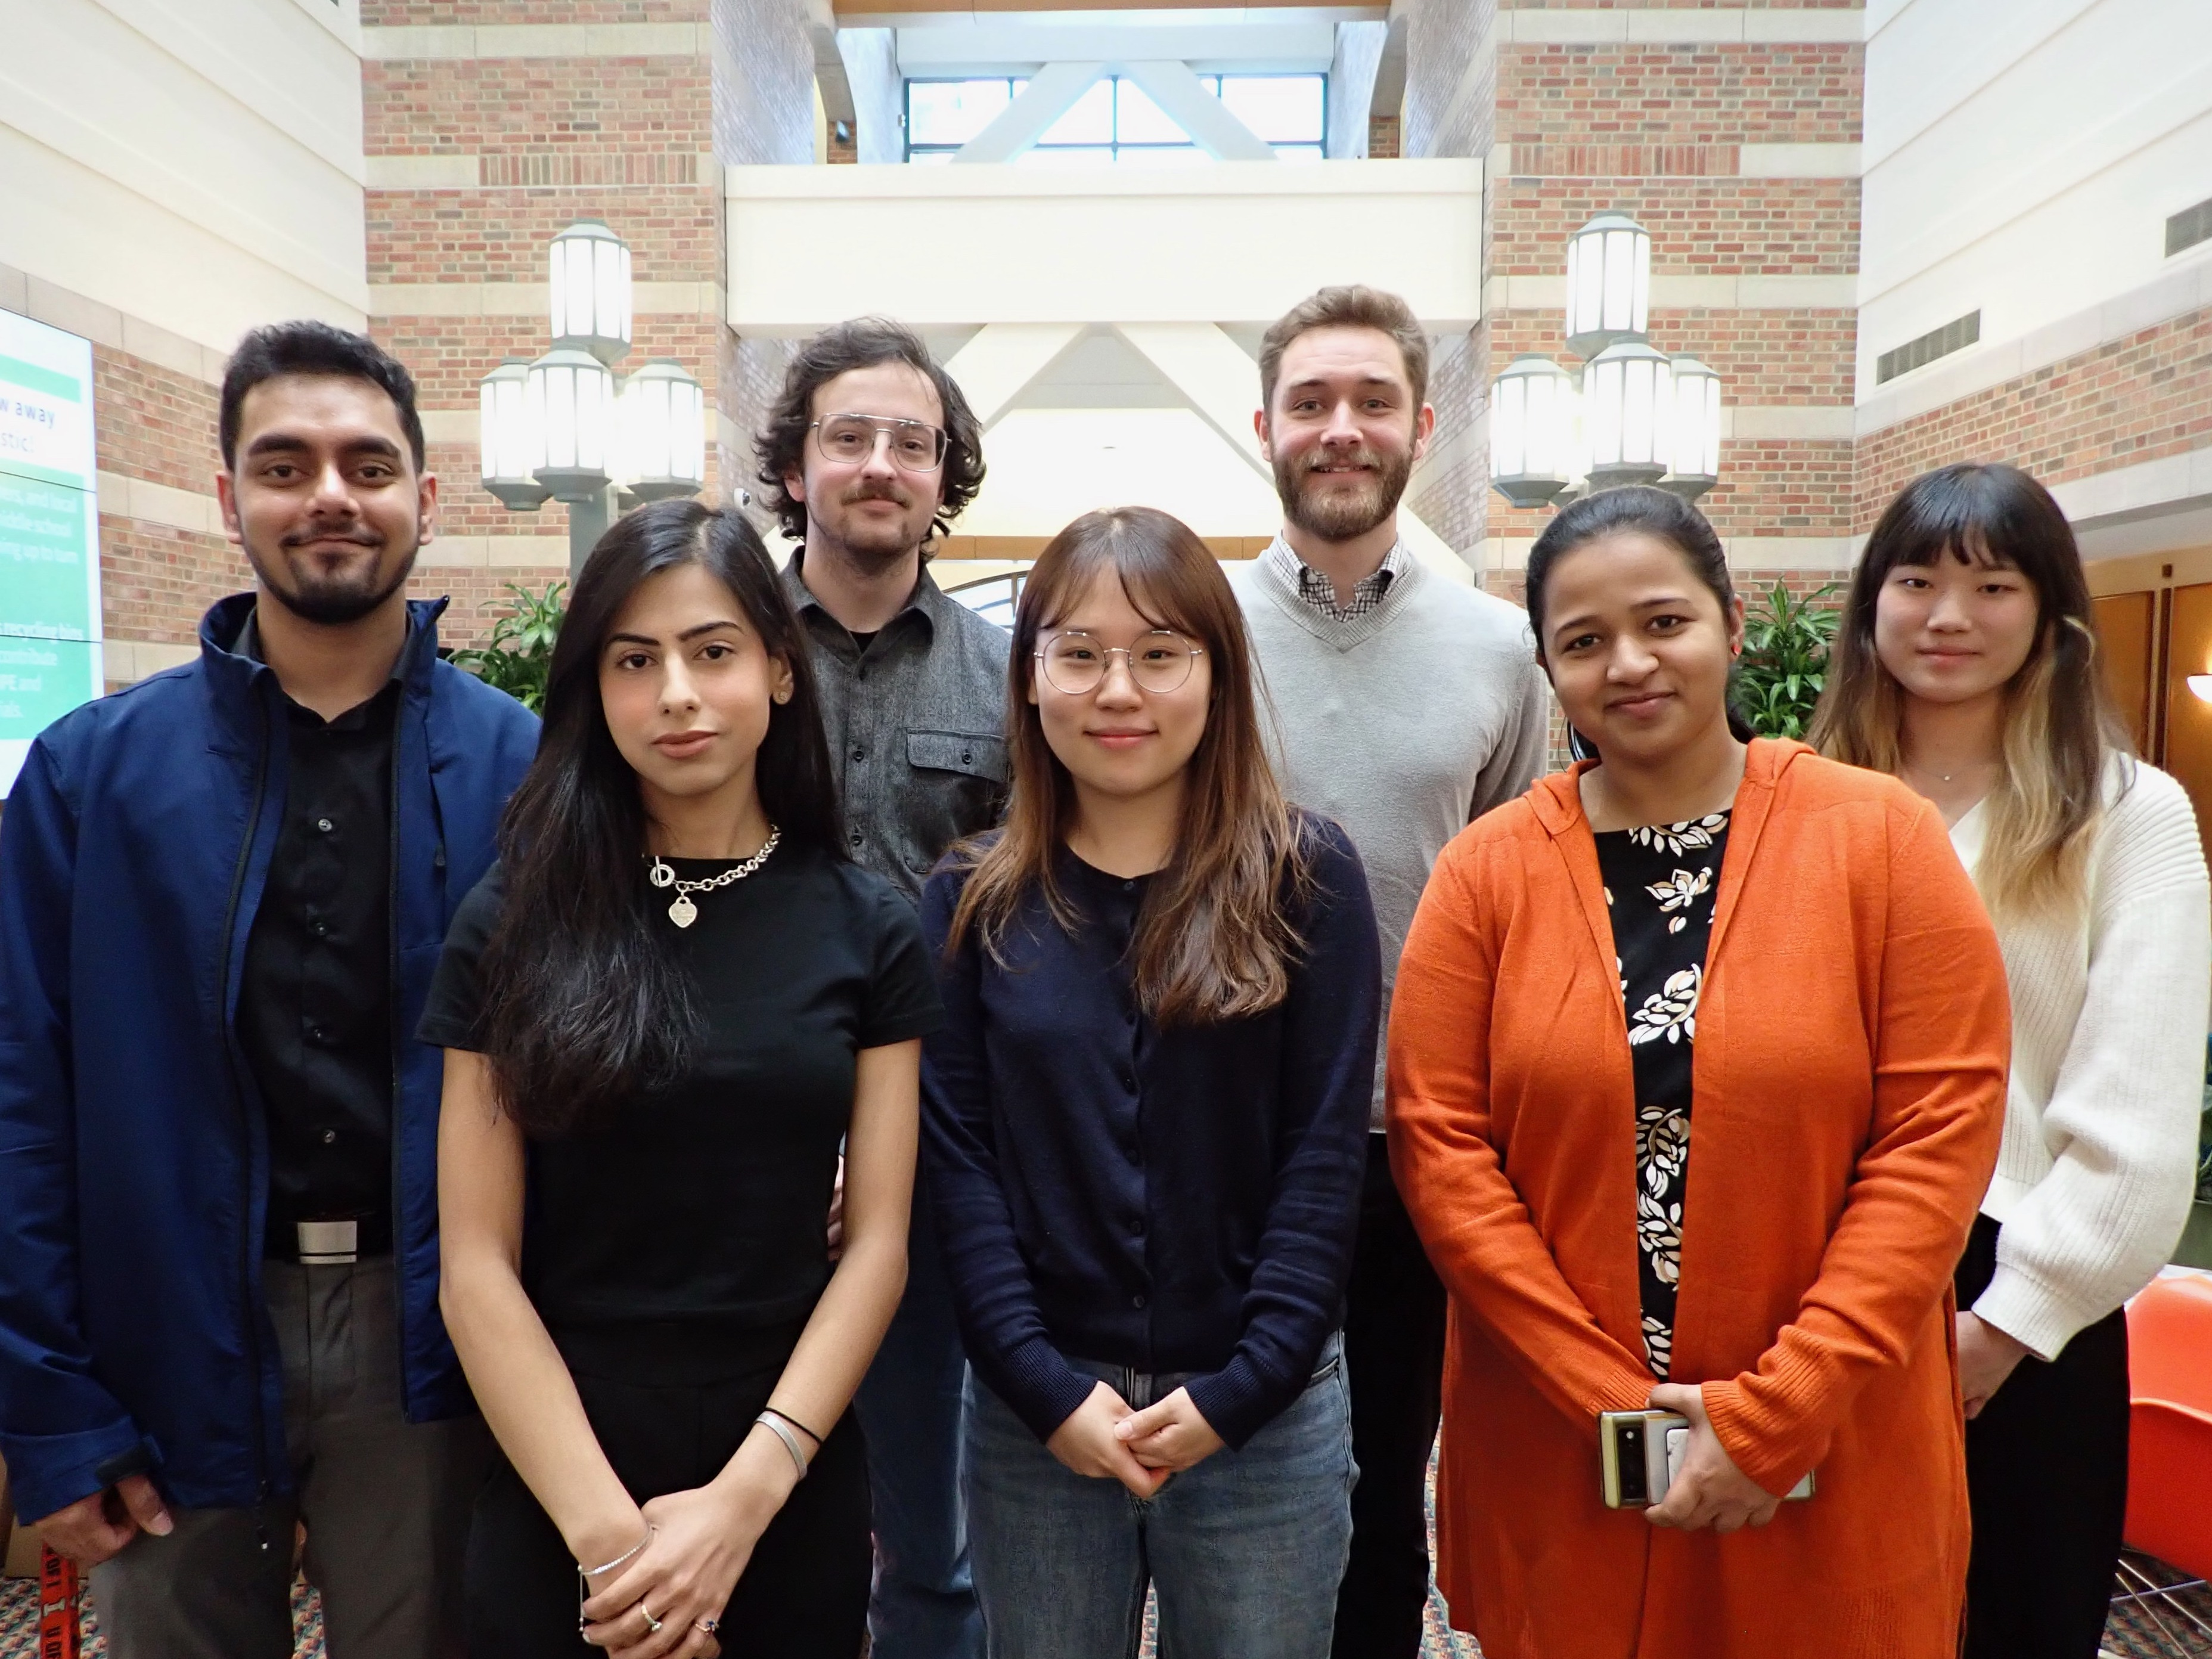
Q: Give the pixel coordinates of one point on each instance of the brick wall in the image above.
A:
(2120, 403)
(1656, 131)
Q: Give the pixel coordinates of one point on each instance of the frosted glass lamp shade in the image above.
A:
(1608, 284)
(2200, 687)
(1696, 440)
(1628, 401)
(662, 420)
(510, 437)
(573, 396)
(1532, 431)
(592, 291)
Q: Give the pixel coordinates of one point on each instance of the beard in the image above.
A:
(314, 590)
(872, 546)
(1338, 515)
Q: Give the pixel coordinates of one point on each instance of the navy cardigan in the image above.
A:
(1178, 1200)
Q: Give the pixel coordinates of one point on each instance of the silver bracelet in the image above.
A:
(774, 1425)
(593, 1572)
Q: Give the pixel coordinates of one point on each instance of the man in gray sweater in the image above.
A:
(1409, 705)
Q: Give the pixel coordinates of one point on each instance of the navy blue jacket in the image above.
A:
(134, 1170)
(1178, 1200)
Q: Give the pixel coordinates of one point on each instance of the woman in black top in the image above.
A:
(663, 1009)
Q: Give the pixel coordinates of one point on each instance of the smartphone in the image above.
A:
(1641, 1452)
(1632, 1449)
(1678, 1447)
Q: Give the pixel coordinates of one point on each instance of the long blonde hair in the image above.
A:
(1213, 941)
(2058, 727)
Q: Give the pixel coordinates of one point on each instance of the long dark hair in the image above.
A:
(585, 1006)
(2058, 725)
(865, 342)
(1213, 941)
(1647, 510)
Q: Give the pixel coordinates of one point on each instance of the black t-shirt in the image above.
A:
(709, 1199)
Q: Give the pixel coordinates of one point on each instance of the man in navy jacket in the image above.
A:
(223, 892)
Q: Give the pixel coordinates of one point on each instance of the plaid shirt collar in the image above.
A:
(1317, 591)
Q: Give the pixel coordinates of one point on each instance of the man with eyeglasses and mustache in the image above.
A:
(223, 891)
(870, 451)
(1409, 707)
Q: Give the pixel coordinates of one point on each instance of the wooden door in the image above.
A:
(2124, 625)
(2188, 716)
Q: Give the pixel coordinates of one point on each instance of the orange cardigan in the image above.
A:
(1851, 1046)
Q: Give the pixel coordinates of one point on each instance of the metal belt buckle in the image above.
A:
(329, 1243)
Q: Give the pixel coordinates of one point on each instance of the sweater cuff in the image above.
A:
(1040, 1387)
(1237, 1401)
(2031, 1312)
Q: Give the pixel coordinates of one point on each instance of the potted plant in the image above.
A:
(517, 655)
(1785, 660)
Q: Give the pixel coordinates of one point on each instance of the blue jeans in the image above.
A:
(910, 1403)
(1245, 1550)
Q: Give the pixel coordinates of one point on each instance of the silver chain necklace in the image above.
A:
(683, 913)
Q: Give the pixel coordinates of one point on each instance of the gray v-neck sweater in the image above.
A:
(1404, 725)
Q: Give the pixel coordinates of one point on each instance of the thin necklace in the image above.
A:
(683, 913)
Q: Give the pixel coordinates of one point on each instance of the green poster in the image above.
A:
(49, 628)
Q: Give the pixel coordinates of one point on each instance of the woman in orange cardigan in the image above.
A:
(1696, 1074)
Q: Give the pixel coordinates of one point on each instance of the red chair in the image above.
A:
(2170, 1429)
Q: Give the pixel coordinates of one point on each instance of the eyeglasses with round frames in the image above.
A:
(915, 446)
(1159, 662)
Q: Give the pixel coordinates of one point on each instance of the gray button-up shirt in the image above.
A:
(915, 725)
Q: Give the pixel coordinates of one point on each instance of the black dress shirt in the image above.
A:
(914, 714)
(1177, 1200)
(314, 1009)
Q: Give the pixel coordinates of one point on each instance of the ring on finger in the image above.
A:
(710, 1625)
(652, 1624)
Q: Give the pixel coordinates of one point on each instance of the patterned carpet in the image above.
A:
(2179, 1627)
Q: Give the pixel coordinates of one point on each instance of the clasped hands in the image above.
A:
(1106, 1438)
(1710, 1490)
(654, 1605)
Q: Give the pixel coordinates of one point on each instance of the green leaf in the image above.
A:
(517, 652)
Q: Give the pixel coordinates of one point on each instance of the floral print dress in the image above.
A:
(1661, 884)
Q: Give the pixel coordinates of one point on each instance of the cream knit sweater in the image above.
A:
(2108, 1026)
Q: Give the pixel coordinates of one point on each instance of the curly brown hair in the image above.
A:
(864, 343)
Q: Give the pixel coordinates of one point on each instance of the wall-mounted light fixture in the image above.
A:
(562, 428)
(1633, 415)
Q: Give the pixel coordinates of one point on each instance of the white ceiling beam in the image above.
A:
(1212, 374)
(1169, 83)
(1019, 44)
(1048, 97)
(1003, 358)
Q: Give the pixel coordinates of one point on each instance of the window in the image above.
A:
(993, 599)
(1936, 342)
(2188, 227)
(1114, 120)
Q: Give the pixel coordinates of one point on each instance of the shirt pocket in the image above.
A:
(959, 782)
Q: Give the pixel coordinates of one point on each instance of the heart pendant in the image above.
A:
(683, 912)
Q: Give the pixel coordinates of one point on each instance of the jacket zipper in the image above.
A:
(391, 980)
(238, 1093)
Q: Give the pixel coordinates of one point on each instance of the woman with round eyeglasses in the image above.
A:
(1145, 1127)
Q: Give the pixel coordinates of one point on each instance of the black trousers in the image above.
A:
(669, 1409)
(1394, 1356)
(2047, 1472)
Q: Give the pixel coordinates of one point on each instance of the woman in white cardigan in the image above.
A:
(1966, 665)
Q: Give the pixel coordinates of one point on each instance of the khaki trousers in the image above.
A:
(384, 1502)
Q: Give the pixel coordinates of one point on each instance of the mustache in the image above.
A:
(359, 537)
(879, 492)
(1363, 456)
